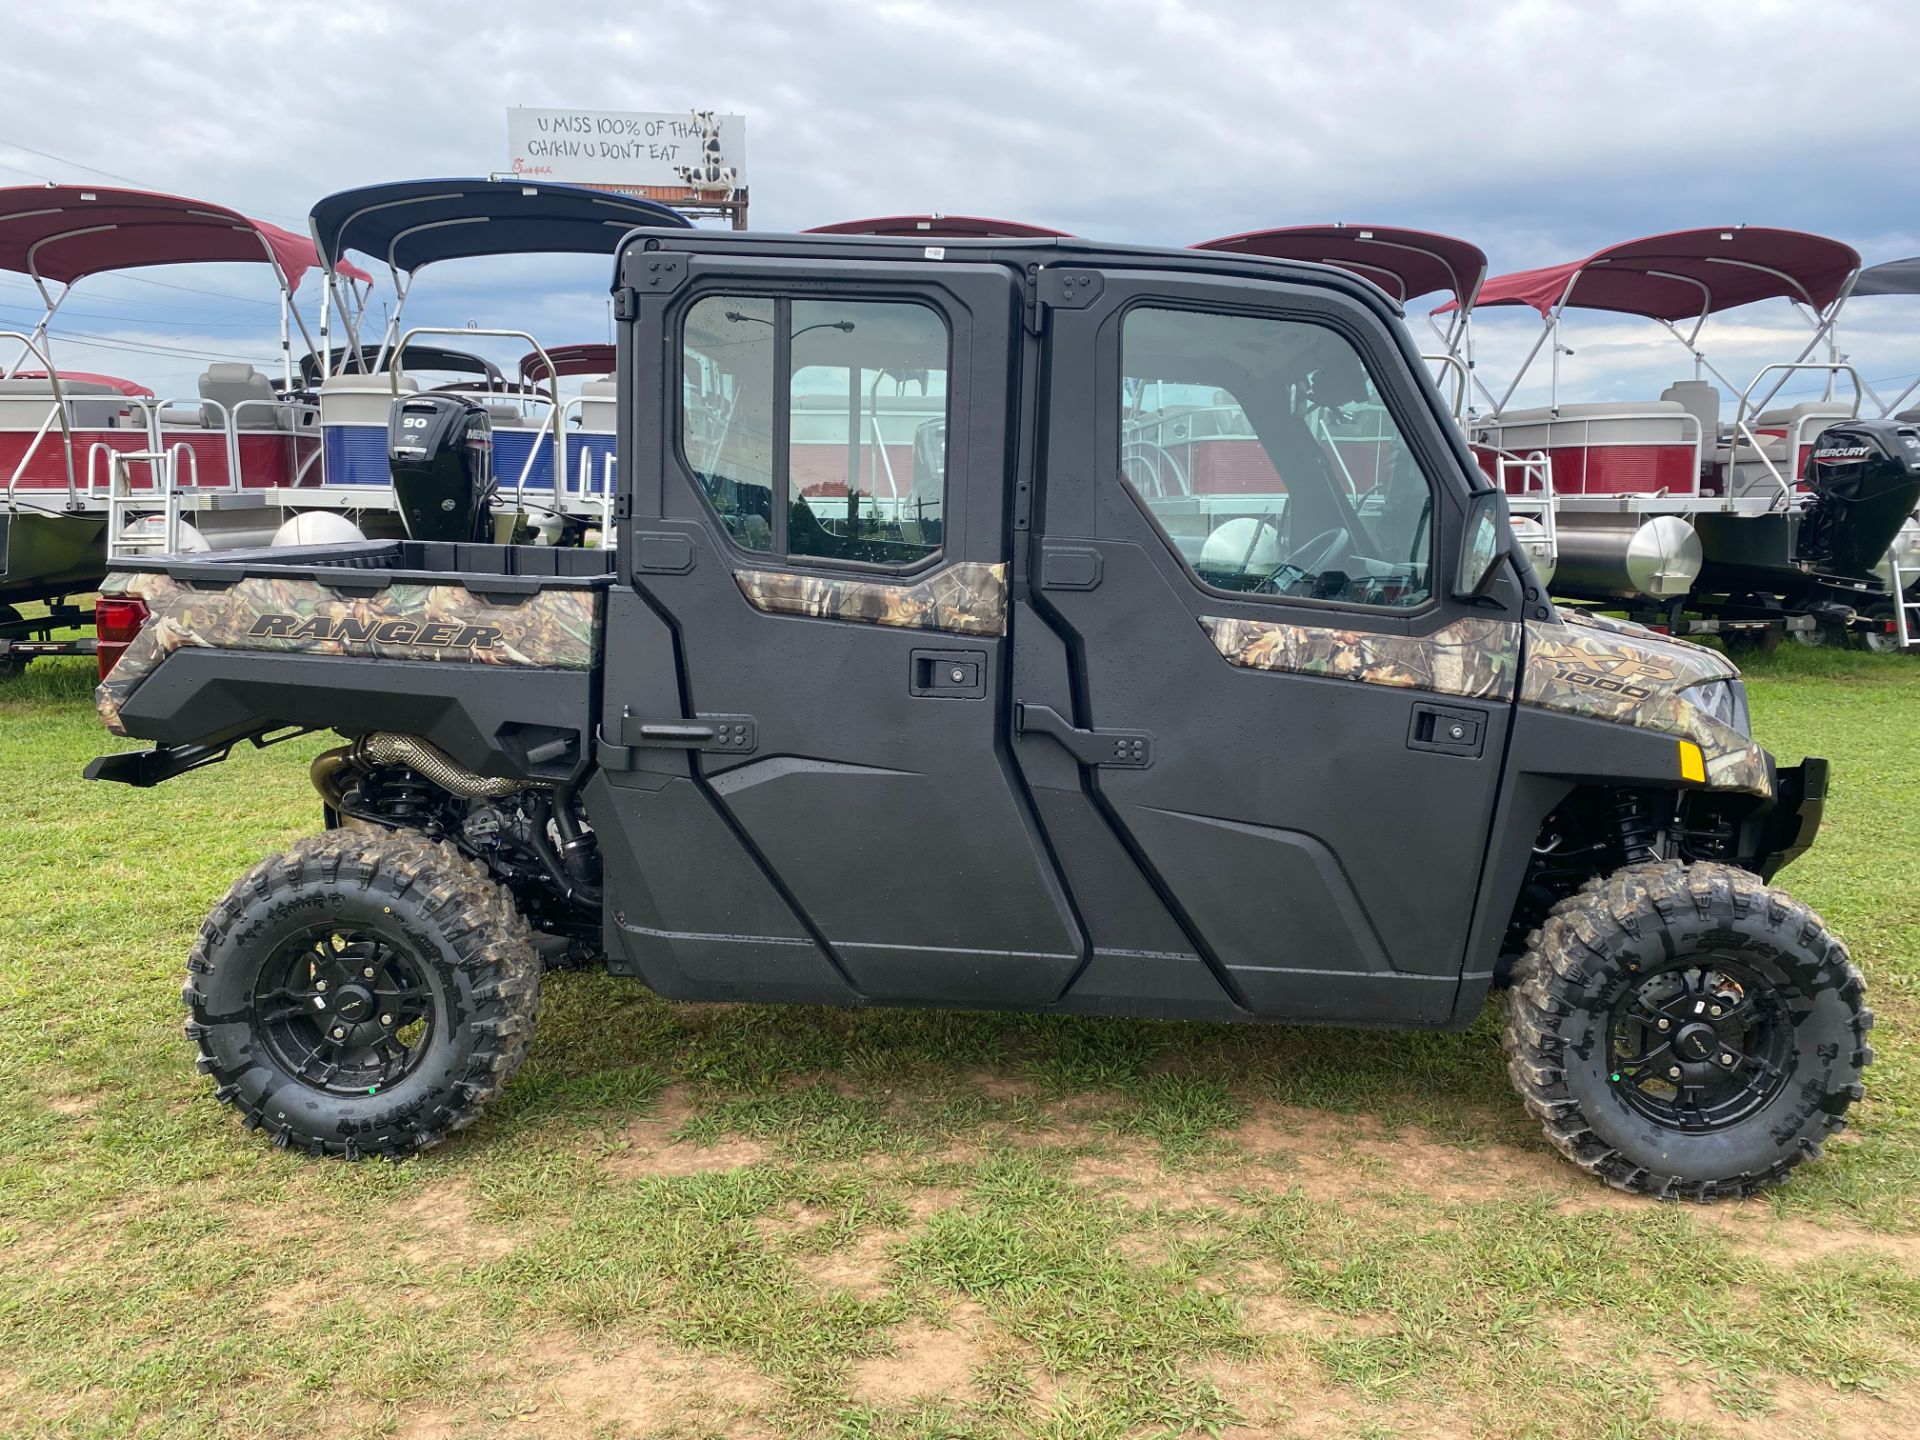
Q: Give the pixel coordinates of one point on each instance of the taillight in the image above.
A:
(116, 620)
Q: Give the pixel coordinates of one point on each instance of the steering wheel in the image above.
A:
(1306, 560)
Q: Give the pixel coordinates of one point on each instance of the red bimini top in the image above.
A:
(66, 232)
(586, 359)
(1404, 263)
(941, 227)
(1686, 274)
(125, 387)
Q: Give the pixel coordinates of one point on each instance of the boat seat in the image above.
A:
(598, 403)
(228, 383)
(505, 412)
(91, 404)
(1700, 399)
(181, 413)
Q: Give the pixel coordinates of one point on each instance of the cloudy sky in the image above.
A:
(1540, 130)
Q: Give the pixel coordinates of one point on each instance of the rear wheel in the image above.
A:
(362, 993)
(1686, 1031)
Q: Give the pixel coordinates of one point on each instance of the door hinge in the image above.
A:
(1070, 289)
(626, 303)
(1112, 749)
(736, 734)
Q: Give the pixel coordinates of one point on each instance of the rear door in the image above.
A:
(1240, 608)
(819, 555)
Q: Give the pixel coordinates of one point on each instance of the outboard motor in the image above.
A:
(1865, 478)
(440, 452)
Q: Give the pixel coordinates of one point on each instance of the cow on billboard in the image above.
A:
(711, 178)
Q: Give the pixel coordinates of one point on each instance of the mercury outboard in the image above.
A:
(440, 452)
(1822, 555)
(1865, 477)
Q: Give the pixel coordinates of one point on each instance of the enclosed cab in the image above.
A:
(1093, 742)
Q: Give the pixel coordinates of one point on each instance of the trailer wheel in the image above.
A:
(10, 664)
(1876, 637)
(362, 993)
(1687, 1032)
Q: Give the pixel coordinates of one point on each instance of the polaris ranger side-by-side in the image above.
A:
(930, 668)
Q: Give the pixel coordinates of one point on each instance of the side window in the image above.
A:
(726, 411)
(861, 475)
(1263, 450)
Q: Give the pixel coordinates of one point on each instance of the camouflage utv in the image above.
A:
(1024, 624)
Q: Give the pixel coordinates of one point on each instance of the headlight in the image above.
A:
(1725, 701)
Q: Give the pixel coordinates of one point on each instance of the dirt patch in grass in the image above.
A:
(925, 1363)
(649, 1145)
(1800, 1409)
(863, 1268)
(644, 1388)
(440, 1226)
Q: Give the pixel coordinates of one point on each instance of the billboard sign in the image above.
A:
(693, 152)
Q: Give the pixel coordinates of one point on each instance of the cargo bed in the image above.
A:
(311, 637)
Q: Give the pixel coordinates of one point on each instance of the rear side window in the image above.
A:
(818, 428)
(1264, 451)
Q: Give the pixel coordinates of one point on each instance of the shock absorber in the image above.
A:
(1633, 830)
(398, 795)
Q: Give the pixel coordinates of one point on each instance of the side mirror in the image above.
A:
(1486, 540)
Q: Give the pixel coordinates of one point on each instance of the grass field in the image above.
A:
(730, 1221)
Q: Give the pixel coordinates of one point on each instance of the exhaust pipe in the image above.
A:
(429, 761)
(433, 763)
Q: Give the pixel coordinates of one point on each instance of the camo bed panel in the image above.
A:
(554, 629)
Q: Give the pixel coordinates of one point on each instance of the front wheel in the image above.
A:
(363, 993)
(1686, 1031)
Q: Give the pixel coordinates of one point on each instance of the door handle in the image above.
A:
(1447, 729)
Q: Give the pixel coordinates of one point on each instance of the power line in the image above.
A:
(111, 175)
(67, 337)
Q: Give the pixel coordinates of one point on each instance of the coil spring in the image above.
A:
(1632, 828)
(398, 795)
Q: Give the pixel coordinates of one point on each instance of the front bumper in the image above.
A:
(1785, 831)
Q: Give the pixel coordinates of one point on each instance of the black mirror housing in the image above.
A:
(1485, 540)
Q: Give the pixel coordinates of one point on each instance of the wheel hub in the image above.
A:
(1699, 1045)
(345, 1010)
(1697, 1042)
(353, 1003)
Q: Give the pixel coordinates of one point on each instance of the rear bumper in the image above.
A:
(1785, 831)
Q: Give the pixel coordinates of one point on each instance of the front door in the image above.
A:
(827, 807)
(1240, 595)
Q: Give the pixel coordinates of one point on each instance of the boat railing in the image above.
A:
(1455, 369)
(551, 424)
(123, 499)
(1531, 469)
(1692, 432)
(57, 412)
(1743, 431)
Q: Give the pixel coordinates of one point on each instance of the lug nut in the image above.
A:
(386, 1019)
(368, 974)
(1726, 1059)
(1673, 1072)
(319, 984)
(1714, 1011)
(1666, 1024)
(339, 1033)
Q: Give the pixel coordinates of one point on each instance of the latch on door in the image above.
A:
(1449, 731)
(954, 674)
(1115, 749)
